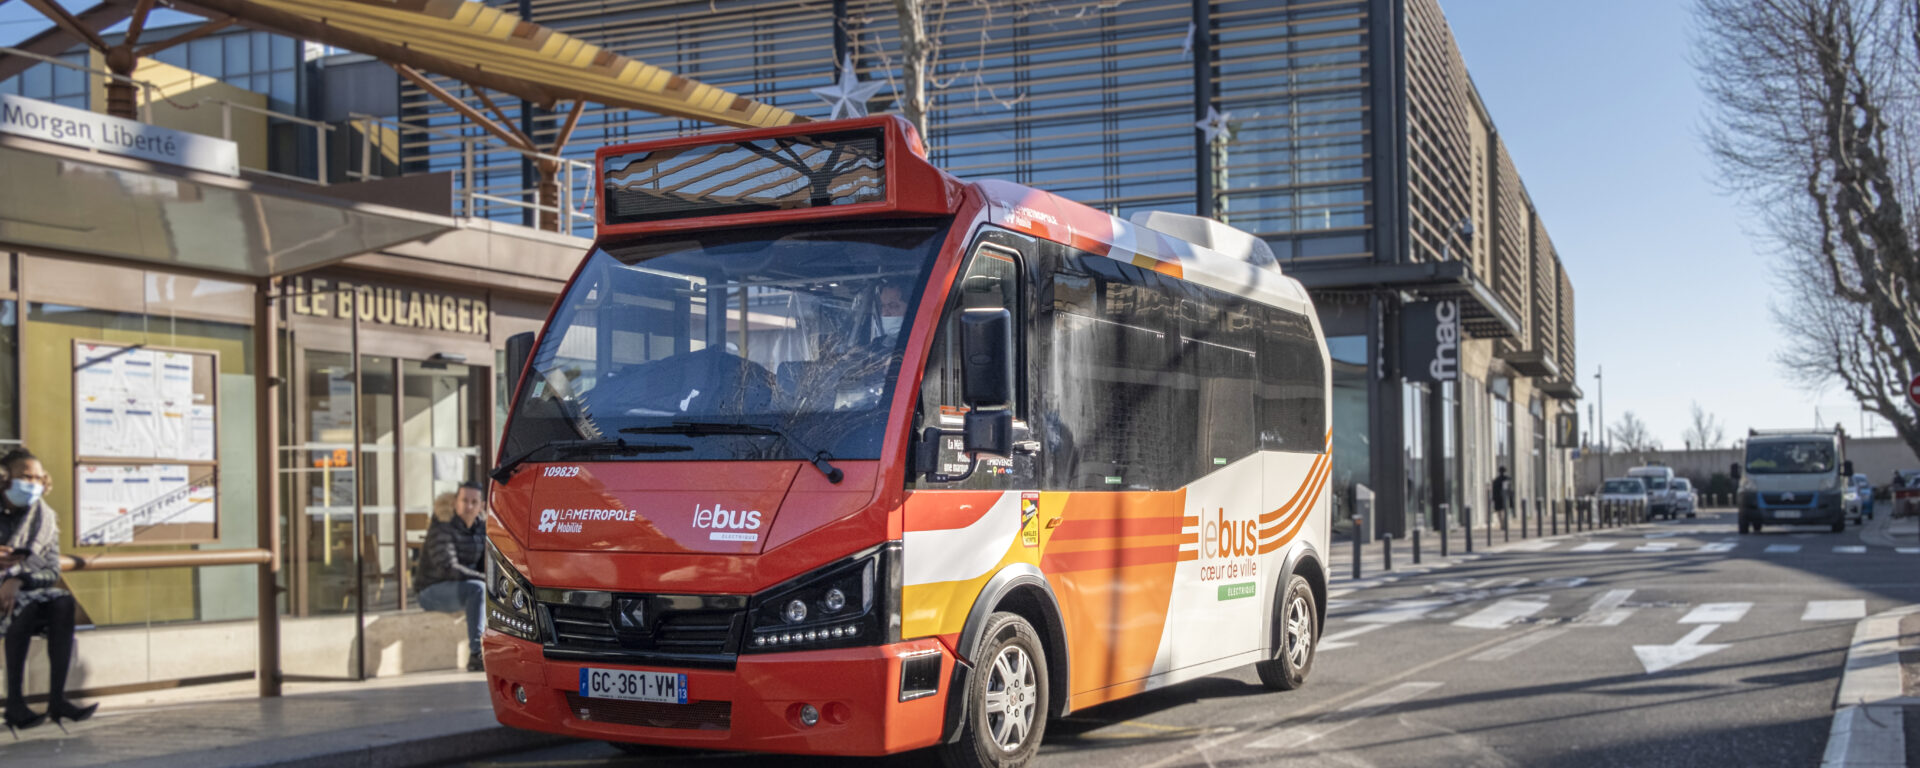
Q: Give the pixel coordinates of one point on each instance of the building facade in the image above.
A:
(1355, 144)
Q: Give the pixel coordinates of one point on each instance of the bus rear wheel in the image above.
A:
(1006, 702)
(1297, 631)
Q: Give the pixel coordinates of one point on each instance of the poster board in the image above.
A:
(145, 436)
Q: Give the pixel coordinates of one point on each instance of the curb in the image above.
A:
(363, 748)
(1868, 729)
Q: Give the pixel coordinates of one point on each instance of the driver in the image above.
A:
(893, 314)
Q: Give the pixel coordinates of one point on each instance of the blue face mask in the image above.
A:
(23, 493)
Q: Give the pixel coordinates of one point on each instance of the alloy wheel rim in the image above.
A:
(1299, 628)
(1012, 697)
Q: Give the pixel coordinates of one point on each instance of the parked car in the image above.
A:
(1630, 492)
(1684, 499)
(1659, 481)
(1906, 494)
(1858, 500)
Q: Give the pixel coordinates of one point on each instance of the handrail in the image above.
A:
(572, 171)
(132, 561)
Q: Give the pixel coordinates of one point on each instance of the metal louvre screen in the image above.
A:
(786, 173)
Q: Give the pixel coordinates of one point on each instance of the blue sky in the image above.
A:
(1600, 109)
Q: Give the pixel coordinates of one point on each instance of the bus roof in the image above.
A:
(877, 167)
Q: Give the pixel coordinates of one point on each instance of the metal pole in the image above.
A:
(1523, 518)
(1539, 517)
(1416, 546)
(1554, 518)
(1469, 527)
(359, 504)
(266, 370)
(1356, 547)
(1506, 525)
(1443, 536)
(1489, 532)
(1386, 551)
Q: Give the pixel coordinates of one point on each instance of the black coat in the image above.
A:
(453, 552)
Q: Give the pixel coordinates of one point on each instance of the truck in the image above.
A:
(1793, 477)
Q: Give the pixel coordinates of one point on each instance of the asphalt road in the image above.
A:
(1672, 644)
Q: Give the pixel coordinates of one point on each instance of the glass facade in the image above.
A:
(48, 82)
(1352, 421)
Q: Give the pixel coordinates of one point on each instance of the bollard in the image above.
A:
(1386, 551)
(1468, 528)
(1443, 537)
(1416, 546)
(1489, 527)
(1523, 519)
(1506, 520)
(1555, 517)
(1539, 517)
(1356, 547)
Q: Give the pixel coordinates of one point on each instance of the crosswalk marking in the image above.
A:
(1656, 546)
(1518, 644)
(1502, 613)
(1718, 546)
(1340, 639)
(1602, 607)
(1850, 550)
(1716, 613)
(1834, 610)
(1330, 722)
(1402, 611)
(1564, 582)
(1595, 546)
(1785, 549)
(1907, 550)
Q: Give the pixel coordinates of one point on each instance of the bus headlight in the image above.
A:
(845, 604)
(510, 608)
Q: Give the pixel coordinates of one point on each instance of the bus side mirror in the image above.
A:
(1734, 471)
(986, 352)
(989, 432)
(1846, 468)
(519, 350)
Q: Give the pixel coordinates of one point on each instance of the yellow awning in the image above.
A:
(481, 45)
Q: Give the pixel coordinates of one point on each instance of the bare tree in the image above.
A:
(1816, 124)
(1630, 435)
(1705, 432)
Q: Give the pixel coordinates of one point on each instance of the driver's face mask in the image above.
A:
(890, 325)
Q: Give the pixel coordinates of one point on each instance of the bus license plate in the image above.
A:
(1787, 514)
(630, 685)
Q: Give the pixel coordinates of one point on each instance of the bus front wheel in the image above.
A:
(1297, 631)
(1006, 700)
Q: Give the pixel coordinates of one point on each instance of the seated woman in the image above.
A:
(31, 600)
(453, 565)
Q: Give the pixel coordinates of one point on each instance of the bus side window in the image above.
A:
(991, 281)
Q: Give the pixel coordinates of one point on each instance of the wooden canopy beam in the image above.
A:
(68, 23)
(512, 138)
(139, 23)
(566, 131)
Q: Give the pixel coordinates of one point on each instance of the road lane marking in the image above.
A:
(1502, 613)
(1718, 546)
(1716, 613)
(1502, 651)
(1907, 550)
(1834, 610)
(1599, 610)
(1332, 722)
(1656, 546)
(1336, 640)
(1564, 582)
(1658, 658)
(1850, 550)
(1398, 611)
(1595, 546)
(1784, 549)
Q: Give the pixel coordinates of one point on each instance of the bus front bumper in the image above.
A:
(755, 706)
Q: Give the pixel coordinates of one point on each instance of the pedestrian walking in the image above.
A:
(452, 574)
(31, 599)
(1502, 492)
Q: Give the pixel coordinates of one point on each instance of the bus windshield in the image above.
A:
(1789, 457)
(765, 344)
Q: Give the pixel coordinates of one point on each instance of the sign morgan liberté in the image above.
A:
(89, 130)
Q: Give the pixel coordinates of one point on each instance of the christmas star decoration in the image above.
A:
(1215, 126)
(849, 96)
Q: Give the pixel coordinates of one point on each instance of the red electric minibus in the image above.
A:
(825, 451)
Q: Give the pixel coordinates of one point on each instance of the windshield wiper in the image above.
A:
(594, 447)
(819, 459)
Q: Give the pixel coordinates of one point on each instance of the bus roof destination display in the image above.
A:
(774, 174)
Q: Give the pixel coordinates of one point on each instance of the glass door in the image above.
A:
(441, 431)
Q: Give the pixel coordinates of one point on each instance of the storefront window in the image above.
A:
(1352, 422)
(1539, 411)
(1413, 428)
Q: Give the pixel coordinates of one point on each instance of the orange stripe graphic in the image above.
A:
(1268, 518)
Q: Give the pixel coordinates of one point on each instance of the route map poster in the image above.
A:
(145, 452)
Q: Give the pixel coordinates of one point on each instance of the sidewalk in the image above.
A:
(1888, 532)
(1373, 569)
(399, 721)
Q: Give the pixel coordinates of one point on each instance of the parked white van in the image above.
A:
(1659, 482)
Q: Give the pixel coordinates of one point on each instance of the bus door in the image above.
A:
(959, 532)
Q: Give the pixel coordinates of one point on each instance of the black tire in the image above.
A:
(1840, 525)
(1743, 526)
(1011, 663)
(1297, 632)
